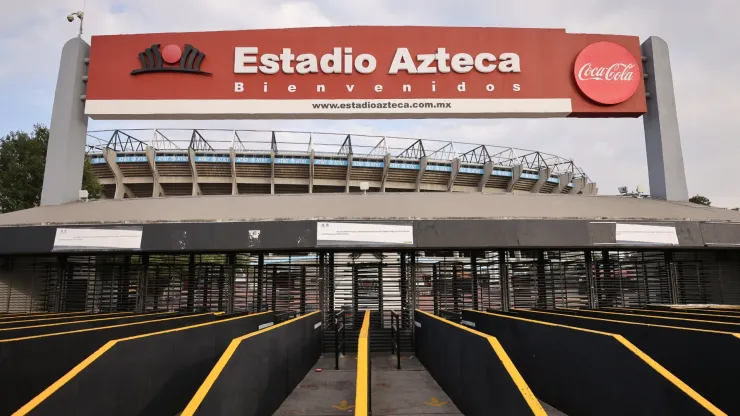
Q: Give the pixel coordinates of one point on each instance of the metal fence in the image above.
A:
(438, 282)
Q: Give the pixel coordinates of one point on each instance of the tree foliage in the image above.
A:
(702, 200)
(22, 162)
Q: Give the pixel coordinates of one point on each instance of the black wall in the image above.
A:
(584, 373)
(265, 369)
(154, 375)
(428, 234)
(27, 367)
(708, 362)
(53, 327)
(467, 368)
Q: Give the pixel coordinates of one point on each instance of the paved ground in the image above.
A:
(325, 393)
(410, 391)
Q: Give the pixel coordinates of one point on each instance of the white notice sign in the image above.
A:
(359, 233)
(97, 239)
(646, 234)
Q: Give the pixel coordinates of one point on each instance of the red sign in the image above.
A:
(607, 73)
(357, 72)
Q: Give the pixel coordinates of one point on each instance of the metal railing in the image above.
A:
(340, 328)
(396, 337)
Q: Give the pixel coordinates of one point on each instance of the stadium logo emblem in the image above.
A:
(607, 73)
(171, 59)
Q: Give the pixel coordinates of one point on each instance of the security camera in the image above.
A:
(71, 16)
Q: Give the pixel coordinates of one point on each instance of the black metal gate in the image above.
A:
(378, 282)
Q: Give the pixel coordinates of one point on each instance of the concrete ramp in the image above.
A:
(150, 374)
(30, 365)
(258, 371)
(707, 362)
(473, 369)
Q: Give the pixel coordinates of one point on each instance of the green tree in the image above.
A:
(736, 209)
(702, 200)
(22, 162)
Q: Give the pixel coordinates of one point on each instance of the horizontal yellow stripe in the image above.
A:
(167, 331)
(500, 352)
(519, 318)
(731, 312)
(651, 316)
(38, 315)
(673, 312)
(204, 388)
(58, 318)
(710, 331)
(98, 328)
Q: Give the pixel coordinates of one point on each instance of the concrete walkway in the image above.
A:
(409, 391)
(325, 393)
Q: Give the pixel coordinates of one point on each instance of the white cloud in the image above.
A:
(702, 37)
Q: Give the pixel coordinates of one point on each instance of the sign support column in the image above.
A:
(65, 155)
(662, 139)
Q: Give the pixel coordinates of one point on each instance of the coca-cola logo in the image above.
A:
(607, 73)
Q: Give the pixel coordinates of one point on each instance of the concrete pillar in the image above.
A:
(422, 168)
(157, 190)
(564, 180)
(232, 163)
(516, 174)
(487, 170)
(65, 155)
(544, 175)
(589, 188)
(122, 190)
(349, 172)
(453, 174)
(311, 157)
(194, 172)
(662, 140)
(272, 172)
(386, 166)
(578, 185)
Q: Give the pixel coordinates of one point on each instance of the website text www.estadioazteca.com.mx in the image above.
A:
(381, 105)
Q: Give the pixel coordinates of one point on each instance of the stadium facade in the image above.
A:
(157, 163)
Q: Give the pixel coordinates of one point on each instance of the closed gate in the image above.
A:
(378, 282)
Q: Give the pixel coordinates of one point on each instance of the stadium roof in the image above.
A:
(377, 206)
(326, 144)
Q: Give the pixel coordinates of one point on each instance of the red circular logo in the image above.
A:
(171, 54)
(607, 73)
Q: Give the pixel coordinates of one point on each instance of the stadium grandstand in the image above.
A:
(170, 162)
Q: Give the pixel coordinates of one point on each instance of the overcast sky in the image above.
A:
(704, 38)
